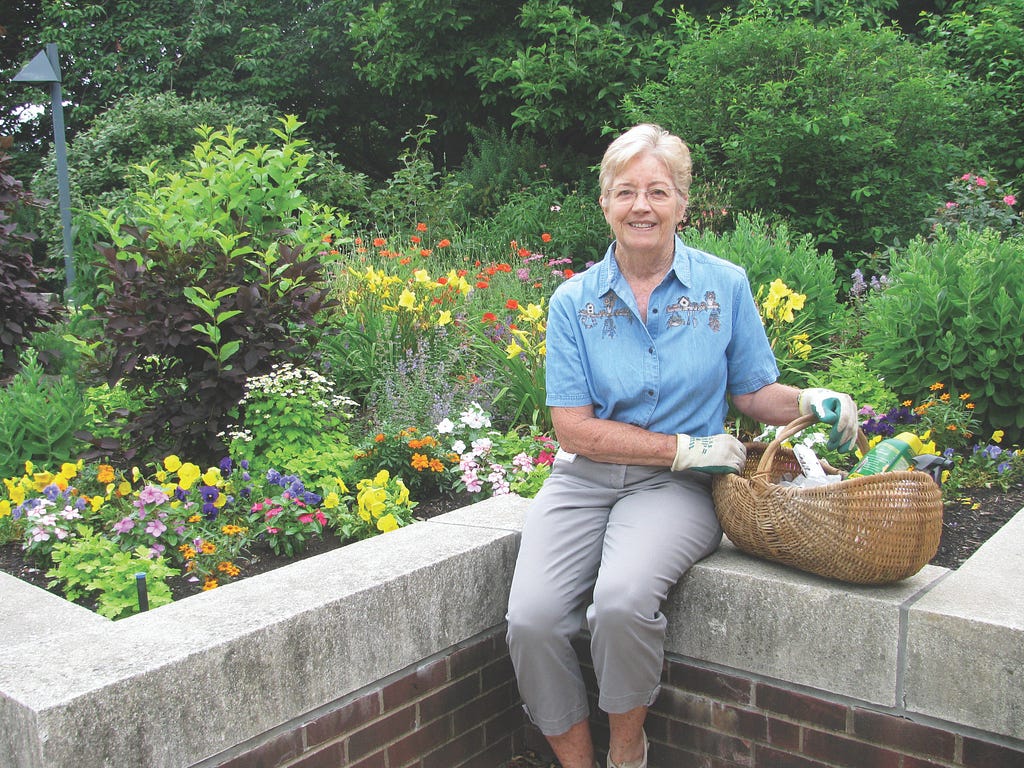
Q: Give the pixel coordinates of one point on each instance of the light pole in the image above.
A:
(45, 68)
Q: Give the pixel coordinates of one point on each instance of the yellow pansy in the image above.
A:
(161, 476)
(69, 470)
(29, 467)
(212, 476)
(42, 479)
(124, 488)
(17, 493)
(96, 502)
(5, 508)
(341, 485)
(188, 473)
(997, 436)
(331, 500)
(172, 463)
(387, 523)
(382, 477)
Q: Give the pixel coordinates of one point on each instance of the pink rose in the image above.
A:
(1010, 200)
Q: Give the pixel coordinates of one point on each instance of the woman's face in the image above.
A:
(642, 216)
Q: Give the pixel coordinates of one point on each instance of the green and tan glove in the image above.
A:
(833, 408)
(717, 454)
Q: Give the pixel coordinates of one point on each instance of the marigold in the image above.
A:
(937, 386)
(208, 548)
(419, 462)
(210, 583)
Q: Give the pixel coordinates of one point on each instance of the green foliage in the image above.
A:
(979, 203)
(216, 272)
(986, 465)
(572, 218)
(777, 251)
(569, 68)
(23, 305)
(93, 567)
(985, 40)
(953, 313)
(39, 416)
(293, 419)
(842, 130)
(851, 373)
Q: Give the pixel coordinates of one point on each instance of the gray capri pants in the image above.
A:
(616, 537)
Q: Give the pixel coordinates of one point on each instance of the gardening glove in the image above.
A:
(716, 454)
(833, 408)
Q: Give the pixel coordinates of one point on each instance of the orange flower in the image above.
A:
(379, 242)
(424, 252)
(444, 243)
(421, 227)
(944, 397)
(482, 284)
(489, 317)
(965, 396)
(511, 304)
(419, 462)
(937, 386)
(210, 583)
(380, 437)
(545, 238)
(436, 465)
(415, 240)
(105, 474)
(568, 273)
(524, 252)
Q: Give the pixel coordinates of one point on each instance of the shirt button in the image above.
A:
(650, 350)
(650, 393)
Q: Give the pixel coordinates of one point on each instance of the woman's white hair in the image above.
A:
(648, 139)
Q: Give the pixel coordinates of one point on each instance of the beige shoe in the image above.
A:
(641, 763)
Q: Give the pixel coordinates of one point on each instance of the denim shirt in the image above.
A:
(703, 337)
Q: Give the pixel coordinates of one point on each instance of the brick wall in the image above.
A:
(458, 711)
(462, 710)
(711, 719)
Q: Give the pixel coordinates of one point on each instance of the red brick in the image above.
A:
(329, 757)
(984, 754)
(707, 742)
(497, 672)
(715, 685)
(687, 707)
(449, 698)
(344, 720)
(903, 734)
(373, 761)
(773, 758)
(272, 754)
(920, 762)
(415, 684)
(799, 706)
(450, 754)
(470, 658)
(469, 714)
(409, 748)
(842, 751)
(373, 736)
(784, 735)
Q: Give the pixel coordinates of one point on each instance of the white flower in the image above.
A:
(446, 427)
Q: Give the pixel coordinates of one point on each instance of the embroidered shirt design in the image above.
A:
(686, 311)
(589, 315)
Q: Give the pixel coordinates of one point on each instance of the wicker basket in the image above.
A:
(875, 529)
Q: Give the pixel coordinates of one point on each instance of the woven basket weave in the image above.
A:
(875, 529)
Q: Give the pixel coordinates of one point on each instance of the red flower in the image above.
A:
(545, 238)
(490, 317)
(511, 304)
(415, 240)
(483, 284)
(379, 242)
(421, 227)
(444, 243)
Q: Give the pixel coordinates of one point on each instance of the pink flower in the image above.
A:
(306, 518)
(981, 182)
(950, 205)
(1010, 200)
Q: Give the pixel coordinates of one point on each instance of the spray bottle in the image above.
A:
(892, 455)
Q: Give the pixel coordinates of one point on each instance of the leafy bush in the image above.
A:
(93, 567)
(985, 40)
(841, 130)
(24, 307)
(216, 274)
(775, 251)
(979, 203)
(953, 313)
(39, 416)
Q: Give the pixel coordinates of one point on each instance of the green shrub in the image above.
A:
(91, 567)
(775, 251)
(953, 313)
(39, 416)
(843, 131)
(216, 273)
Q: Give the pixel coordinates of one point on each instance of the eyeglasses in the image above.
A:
(654, 195)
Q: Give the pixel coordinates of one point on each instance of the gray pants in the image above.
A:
(605, 541)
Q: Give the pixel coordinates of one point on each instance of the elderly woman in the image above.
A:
(642, 350)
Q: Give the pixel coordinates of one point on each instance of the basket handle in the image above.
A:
(794, 427)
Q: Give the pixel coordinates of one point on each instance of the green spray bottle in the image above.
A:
(891, 455)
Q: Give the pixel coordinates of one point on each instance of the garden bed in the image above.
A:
(968, 522)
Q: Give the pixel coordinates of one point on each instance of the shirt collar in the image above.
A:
(610, 268)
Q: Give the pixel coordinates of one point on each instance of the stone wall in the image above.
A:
(390, 653)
